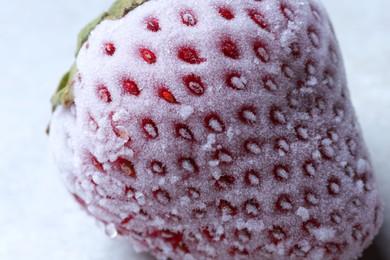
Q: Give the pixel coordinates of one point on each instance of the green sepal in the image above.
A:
(84, 33)
(64, 92)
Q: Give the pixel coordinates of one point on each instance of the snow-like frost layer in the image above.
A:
(270, 164)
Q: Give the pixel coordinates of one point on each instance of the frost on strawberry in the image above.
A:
(217, 130)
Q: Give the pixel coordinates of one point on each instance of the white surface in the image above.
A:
(38, 218)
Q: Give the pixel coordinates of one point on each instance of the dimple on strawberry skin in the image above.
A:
(216, 130)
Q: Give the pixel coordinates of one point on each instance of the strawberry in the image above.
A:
(217, 130)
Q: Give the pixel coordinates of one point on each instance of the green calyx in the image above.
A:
(64, 93)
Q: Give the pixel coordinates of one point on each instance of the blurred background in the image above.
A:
(39, 219)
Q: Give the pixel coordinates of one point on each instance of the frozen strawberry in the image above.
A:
(217, 130)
